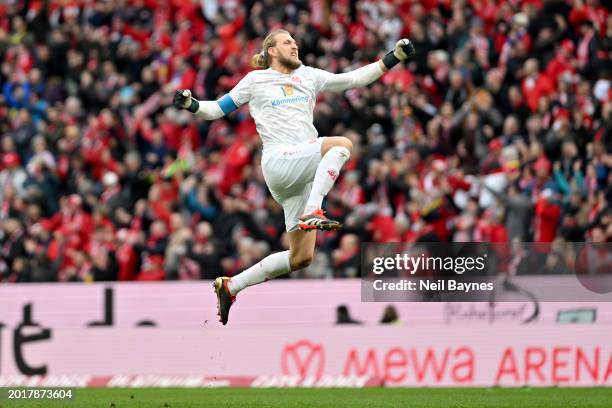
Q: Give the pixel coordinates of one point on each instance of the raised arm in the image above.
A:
(367, 74)
(360, 77)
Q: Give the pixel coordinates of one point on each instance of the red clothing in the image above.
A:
(487, 10)
(597, 15)
(78, 223)
(187, 79)
(401, 76)
(152, 269)
(182, 42)
(102, 222)
(546, 219)
(235, 158)
(161, 211)
(383, 229)
(357, 34)
(139, 35)
(127, 259)
(352, 196)
(172, 135)
(491, 232)
(535, 87)
(153, 275)
(558, 66)
(457, 183)
(168, 192)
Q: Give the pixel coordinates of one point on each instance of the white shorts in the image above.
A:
(289, 171)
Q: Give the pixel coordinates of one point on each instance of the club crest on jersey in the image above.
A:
(287, 90)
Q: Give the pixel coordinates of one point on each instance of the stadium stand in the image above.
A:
(499, 130)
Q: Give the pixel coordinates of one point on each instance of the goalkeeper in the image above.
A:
(299, 168)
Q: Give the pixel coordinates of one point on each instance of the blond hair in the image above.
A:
(262, 59)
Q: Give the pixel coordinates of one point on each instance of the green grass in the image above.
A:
(336, 398)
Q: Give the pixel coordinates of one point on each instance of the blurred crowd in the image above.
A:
(499, 130)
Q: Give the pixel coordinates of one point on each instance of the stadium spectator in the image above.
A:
(343, 316)
(390, 316)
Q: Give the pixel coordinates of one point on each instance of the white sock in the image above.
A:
(326, 175)
(268, 268)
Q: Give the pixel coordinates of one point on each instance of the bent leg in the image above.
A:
(301, 248)
(268, 268)
(299, 256)
(335, 151)
(336, 141)
(288, 178)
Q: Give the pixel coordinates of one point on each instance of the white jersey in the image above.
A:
(282, 104)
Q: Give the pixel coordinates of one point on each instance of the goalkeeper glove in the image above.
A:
(183, 100)
(403, 51)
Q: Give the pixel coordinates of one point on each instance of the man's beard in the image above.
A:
(288, 63)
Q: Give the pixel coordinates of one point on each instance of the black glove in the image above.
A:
(183, 100)
(404, 50)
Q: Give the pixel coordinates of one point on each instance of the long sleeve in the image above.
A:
(561, 182)
(580, 182)
(229, 102)
(500, 196)
(360, 77)
(209, 110)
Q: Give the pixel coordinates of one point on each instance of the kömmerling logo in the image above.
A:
(294, 99)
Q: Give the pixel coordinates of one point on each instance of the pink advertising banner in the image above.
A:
(281, 302)
(436, 355)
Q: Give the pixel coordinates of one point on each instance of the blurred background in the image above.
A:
(101, 179)
(498, 131)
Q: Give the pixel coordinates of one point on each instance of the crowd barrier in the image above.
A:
(280, 302)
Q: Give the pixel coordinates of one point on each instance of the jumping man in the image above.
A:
(299, 168)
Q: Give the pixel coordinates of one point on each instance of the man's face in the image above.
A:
(598, 235)
(286, 50)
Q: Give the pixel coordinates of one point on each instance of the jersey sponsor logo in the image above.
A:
(289, 97)
(294, 99)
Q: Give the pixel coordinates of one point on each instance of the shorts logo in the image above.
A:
(332, 174)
